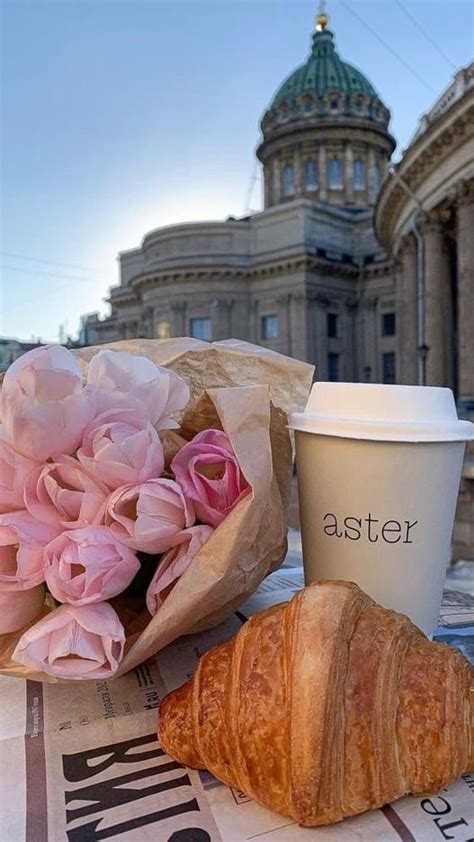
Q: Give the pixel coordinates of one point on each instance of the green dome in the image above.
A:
(324, 71)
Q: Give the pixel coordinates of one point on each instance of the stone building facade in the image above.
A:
(425, 219)
(364, 270)
(306, 276)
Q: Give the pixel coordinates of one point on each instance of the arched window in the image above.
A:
(311, 175)
(335, 174)
(288, 181)
(359, 174)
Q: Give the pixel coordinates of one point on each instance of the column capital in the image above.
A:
(299, 296)
(465, 193)
(316, 297)
(284, 299)
(431, 222)
(178, 306)
(369, 302)
(223, 303)
(351, 303)
(407, 244)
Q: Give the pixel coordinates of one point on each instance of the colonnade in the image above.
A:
(448, 298)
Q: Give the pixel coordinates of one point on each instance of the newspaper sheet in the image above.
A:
(82, 762)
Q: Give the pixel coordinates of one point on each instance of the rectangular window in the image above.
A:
(359, 175)
(334, 171)
(333, 367)
(311, 175)
(288, 181)
(163, 330)
(201, 329)
(269, 327)
(388, 367)
(388, 324)
(332, 325)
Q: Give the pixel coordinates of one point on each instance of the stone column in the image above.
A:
(370, 360)
(178, 327)
(371, 164)
(146, 327)
(255, 322)
(276, 182)
(407, 313)
(298, 315)
(465, 302)
(312, 326)
(268, 185)
(351, 356)
(222, 318)
(349, 172)
(298, 174)
(322, 174)
(284, 323)
(438, 317)
(318, 341)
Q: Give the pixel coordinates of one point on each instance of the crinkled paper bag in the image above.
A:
(247, 391)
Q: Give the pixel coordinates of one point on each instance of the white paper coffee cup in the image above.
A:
(378, 476)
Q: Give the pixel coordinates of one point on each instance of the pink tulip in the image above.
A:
(88, 565)
(17, 608)
(121, 447)
(209, 474)
(150, 517)
(14, 469)
(127, 380)
(173, 565)
(64, 495)
(22, 543)
(44, 407)
(74, 641)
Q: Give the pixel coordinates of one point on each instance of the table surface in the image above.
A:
(81, 761)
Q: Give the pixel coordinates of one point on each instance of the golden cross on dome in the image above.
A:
(322, 18)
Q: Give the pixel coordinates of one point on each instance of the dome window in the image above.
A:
(334, 104)
(359, 103)
(307, 103)
(288, 181)
(359, 174)
(311, 176)
(335, 174)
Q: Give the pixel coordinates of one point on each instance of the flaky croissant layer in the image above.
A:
(324, 707)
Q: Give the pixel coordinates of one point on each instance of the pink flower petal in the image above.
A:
(173, 564)
(74, 642)
(150, 517)
(209, 474)
(88, 565)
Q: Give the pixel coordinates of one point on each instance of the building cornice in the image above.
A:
(420, 160)
(295, 133)
(377, 270)
(282, 266)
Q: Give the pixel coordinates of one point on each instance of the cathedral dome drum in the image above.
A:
(325, 133)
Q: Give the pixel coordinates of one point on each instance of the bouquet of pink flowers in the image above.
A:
(106, 502)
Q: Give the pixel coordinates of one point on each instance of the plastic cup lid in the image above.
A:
(382, 413)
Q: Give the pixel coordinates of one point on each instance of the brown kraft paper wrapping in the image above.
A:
(247, 391)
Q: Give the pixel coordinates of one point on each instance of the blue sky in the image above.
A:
(119, 117)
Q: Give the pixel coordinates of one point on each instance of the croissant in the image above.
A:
(324, 707)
